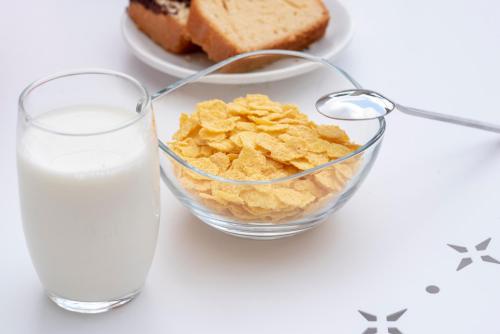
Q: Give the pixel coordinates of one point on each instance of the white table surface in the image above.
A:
(433, 184)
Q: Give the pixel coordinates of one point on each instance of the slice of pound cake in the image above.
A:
(224, 28)
(164, 21)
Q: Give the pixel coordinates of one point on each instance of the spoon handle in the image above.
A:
(472, 123)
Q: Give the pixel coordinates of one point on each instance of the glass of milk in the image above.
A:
(88, 170)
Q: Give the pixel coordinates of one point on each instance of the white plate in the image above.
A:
(338, 35)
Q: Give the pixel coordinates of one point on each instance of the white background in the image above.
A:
(433, 184)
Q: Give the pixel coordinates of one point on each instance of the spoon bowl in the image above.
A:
(354, 104)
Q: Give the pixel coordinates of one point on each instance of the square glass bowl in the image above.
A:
(260, 214)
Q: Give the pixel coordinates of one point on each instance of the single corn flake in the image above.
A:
(260, 121)
(318, 146)
(213, 116)
(206, 151)
(333, 133)
(225, 145)
(336, 151)
(221, 160)
(273, 127)
(302, 164)
(308, 185)
(239, 212)
(244, 139)
(260, 200)
(293, 197)
(242, 110)
(317, 158)
(186, 148)
(250, 162)
(195, 184)
(186, 126)
(245, 126)
(205, 164)
(227, 196)
(209, 135)
(302, 131)
(327, 179)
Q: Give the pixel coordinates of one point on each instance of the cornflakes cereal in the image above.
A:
(255, 138)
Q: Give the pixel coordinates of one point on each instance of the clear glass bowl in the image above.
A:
(336, 180)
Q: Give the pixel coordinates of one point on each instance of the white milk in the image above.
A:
(90, 204)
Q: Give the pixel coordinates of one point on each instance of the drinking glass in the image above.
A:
(88, 172)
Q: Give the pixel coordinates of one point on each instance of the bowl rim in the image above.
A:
(178, 84)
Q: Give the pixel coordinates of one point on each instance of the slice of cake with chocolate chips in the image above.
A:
(164, 21)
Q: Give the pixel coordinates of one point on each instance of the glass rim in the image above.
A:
(145, 106)
(194, 77)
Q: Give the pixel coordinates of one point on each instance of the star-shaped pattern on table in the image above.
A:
(390, 318)
(480, 247)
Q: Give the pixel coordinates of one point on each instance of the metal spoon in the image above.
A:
(362, 104)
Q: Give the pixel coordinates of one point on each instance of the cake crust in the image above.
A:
(204, 32)
(165, 30)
